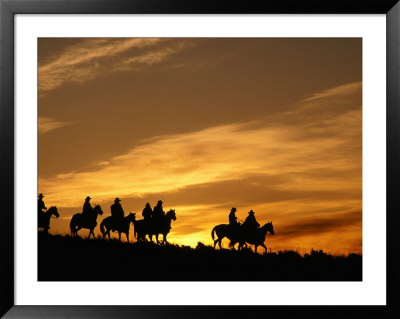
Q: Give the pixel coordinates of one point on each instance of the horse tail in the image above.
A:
(212, 232)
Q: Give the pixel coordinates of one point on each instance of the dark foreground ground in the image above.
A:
(76, 259)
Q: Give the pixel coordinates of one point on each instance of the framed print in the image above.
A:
(193, 160)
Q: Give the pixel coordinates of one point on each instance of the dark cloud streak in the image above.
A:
(319, 225)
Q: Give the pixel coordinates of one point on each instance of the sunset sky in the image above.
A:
(272, 125)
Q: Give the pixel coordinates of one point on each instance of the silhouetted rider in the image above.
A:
(147, 212)
(232, 218)
(250, 222)
(41, 205)
(87, 209)
(158, 211)
(117, 214)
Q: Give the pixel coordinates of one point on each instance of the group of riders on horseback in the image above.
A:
(249, 232)
(155, 221)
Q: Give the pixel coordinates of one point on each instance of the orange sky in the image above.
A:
(273, 125)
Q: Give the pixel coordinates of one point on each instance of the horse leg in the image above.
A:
(255, 248)
(119, 235)
(265, 247)
(165, 239)
(157, 238)
(127, 236)
(216, 242)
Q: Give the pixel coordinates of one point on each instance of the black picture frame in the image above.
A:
(8, 8)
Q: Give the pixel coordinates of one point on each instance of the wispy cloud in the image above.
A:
(93, 57)
(47, 124)
(339, 92)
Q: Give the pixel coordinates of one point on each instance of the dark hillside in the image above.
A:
(76, 259)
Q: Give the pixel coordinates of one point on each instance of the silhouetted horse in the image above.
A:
(222, 231)
(255, 238)
(44, 218)
(107, 225)
(141, 229)
(89, 222)
(163, 226)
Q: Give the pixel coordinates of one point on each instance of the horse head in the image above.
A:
(97, 210)
(131, 217)
(171, 214)
(269, 227)
(54, 211)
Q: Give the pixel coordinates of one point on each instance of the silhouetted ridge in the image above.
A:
(146, 261)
